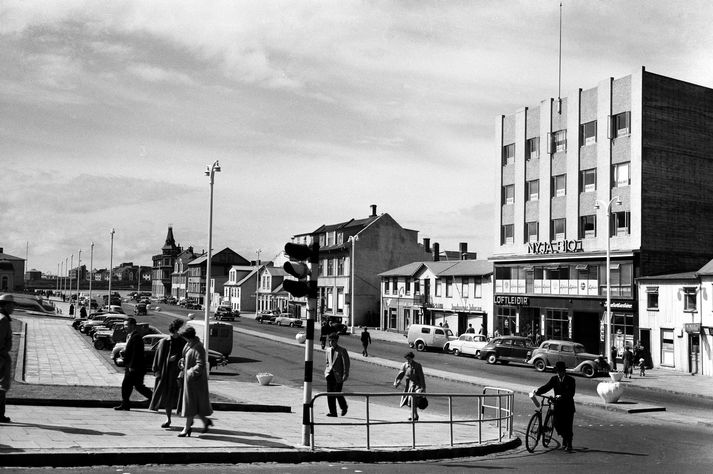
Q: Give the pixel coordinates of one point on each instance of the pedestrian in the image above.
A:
(627, 358)
(365, 341)
(323, 331)
(445, 324)
(496, 333)
(613, 354)
(165, 367)
(196, 397)
(642, 367)
(7, 306)
(470, 330)
(134, 366)
(564, 387)
(482, 329)
(71, 309)
(336, 372)
(83, 312)
(412, 371)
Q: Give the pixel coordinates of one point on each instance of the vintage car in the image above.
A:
(141, 309)
(505, 349)
(573, 354)
(266, 318)
(286, 319)
(226, 313)
(467, 344)
(151, 341)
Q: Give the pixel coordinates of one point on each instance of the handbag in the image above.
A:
(421, 400)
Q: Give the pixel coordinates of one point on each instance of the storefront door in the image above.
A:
(694, 353)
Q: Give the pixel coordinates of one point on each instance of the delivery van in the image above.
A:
(422, 337)
(220, 336)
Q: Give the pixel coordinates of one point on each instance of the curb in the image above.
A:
(76, 403)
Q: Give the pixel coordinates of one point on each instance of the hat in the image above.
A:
(6, 298)
(409, 354)
(559, 365)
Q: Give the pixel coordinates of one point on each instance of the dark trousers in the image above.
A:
(563, 423)
(2, 403)
(133, 380)
(364, 345)
(334, 386)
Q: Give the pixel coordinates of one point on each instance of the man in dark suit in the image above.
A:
(336, 373)
(134, 366)
(564, 387)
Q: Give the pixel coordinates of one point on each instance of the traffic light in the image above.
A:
(304, 260)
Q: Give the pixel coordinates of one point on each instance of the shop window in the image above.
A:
(556, 324)
(588, 133)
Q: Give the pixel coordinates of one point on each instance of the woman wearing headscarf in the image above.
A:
(196, 399)
(415, 382)
(165, 368)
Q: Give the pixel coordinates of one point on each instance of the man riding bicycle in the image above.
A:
(564, 388)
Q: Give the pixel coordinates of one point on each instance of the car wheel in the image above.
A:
(492, 358)
(99, 344)
(477, 354)
(292, 325)
(420, 346)
(588, 371)
(540, 365)
(456, 352)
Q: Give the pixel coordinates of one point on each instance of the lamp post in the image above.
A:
(257, 282)
(69, 276)
(210, 172)
(91, 273)
(79, 265)
(58, 277)
(111, 265)
(66, 270)
(607, 339)
(353, 239)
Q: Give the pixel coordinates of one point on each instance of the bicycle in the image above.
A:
(536, 428)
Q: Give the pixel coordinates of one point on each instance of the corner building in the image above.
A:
(642, 143)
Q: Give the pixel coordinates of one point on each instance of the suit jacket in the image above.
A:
(564, 389)
(134, 353)
(337, 364)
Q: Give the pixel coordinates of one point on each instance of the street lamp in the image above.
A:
(91, 273)
(58, 278)
(66, 269)
(257, 281)
(210, 172)
(598, 204)
(79, 265)
(353, 239)
(69, 277)
(111, 265)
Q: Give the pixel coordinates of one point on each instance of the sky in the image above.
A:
(110, 113)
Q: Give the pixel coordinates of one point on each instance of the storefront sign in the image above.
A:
(620, 305)
(469, 307)
(512, 300)
(692, 328)
(559, 246)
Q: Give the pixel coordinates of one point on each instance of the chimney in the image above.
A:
(436, 252)
(464, 250)
(1, 249)
(373, 210)
(427, 244)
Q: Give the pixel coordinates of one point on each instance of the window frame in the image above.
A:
(584, 233)
(553, 226)
(508, 154)
(559, 191)
(588, 133)
(531, 196)
(507, 234)
(615, 224)
(617, 180)
(508, 194)
(621, 124)
(532, 148)
(585, 187)
(559, 139)
(529, 235)
(690, 301)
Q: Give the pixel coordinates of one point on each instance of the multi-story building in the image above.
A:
(163, 266)
(220, 265)
(626, 163)
(352, 254)
(240, 289)
(458, 293)
(12, 271)
(179, 277)
(271, 296)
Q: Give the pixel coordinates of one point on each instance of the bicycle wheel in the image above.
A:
(532, 436)
(548, 429)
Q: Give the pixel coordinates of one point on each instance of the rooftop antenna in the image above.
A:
(559, 71)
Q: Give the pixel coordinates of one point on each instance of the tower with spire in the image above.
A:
(163, 266)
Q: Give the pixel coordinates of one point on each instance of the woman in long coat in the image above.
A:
(415, 382)
(165, 368)
(196, 398)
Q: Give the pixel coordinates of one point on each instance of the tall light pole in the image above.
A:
(69, 276)
(353, 239)
(79, 265)
(210, 172)
(257, 281)
(58, 277)
(66, 270)
(111, 265)
(607, 339)
(91, 273)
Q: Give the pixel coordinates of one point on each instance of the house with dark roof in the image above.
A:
(179, 276)
(352, 254)
(12, 271)
(239, 290)
(271, 296)
(456, 293)
(220, 265)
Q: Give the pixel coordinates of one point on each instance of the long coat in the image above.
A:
(5, 346)
(338, 364)
(415, 380)
(196, 398)
(564, 405)
(165, 367)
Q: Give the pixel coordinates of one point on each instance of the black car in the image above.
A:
(225, 313)
(265, 318)
(506, 349)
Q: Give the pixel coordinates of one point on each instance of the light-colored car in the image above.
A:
(468, 344)
(573, 354)
(422, 337)
(286, 319)
(149, 341)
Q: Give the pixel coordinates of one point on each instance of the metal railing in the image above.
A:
(494, 405)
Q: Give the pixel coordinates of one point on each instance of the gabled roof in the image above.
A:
(276, 271)
(443, 268)
(469, 268)
(7, 256)
(404, 270)
(350, 224)
(706, 269)
(670, 276)
(247, 277)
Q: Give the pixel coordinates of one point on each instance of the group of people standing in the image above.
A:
(181, 371)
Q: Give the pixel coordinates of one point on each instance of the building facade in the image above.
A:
(12, 271)
(239, 290)
(179, 276)
(271, 296)
(220, 265)
(163, 266)
(625, 164)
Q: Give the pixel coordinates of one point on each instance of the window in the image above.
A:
(588, 133)
(330, 238)
(509, 154)
(588, 180)
(532, 231)
(340, 300)
(449, 287)
(532, 190)
(507, 234)
(559, 185)
(622, 280)
(386, 286)
(560, 139)
(587, 226)
(417, 287)
(394, 285)
(330, 299)
(464, 285)
(340, 238)
(340, 266)
(620, 223)
(558, 229)
(508, 194)
(621, 175)
(689, 299)
(330, 267)
(478, 288)
(620, 125)
(652, 298)
(438, 287)
(532, 148)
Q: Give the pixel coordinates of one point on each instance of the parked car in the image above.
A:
(171, 300)
(140, 309)
(336, 325)
(505, 349)
(265, 318)
(151, 341)
(423, 336)
(573, 354)
(91, 327)
(191, 305)
(468, 344)
(226, 313)
(286, 319)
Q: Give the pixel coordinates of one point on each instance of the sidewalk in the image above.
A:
(267, 429)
